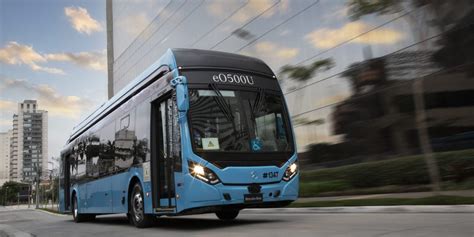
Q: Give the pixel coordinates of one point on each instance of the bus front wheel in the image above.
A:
(137, 208)
(227, 215)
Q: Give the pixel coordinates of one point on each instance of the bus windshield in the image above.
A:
(238, 121)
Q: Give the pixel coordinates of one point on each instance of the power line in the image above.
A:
(146, 28)
(278, 25)
(394, 86)
(342, 43)
(246, 24)
(329, 77)
(174, 28)
(219, 24)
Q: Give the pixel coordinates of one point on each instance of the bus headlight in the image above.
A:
(291, 171)
(203, 173)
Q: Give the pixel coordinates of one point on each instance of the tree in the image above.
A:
(304, 73)
(359, 8)
(9, 192)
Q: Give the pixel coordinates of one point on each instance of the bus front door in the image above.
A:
(162, 158)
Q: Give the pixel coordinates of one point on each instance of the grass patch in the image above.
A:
(434, 200)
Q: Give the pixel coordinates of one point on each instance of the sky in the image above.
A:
(54, 52)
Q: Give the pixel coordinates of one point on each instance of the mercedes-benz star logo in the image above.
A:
(253, 175)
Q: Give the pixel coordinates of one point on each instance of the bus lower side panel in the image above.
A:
(106, 195)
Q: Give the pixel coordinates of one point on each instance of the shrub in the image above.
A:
(314, 188)
(457, 166)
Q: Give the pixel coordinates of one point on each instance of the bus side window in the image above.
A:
(142, 130)
(106, 152)
(92, 155)
(125, 139)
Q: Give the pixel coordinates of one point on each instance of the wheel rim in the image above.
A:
(75, 208)
(138, 206)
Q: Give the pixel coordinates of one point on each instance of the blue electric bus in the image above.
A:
(197, 132)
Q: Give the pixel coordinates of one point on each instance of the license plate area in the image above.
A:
(253, 198)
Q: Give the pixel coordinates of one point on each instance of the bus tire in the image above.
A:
(137, 208)
(76, 215)
(227, 215)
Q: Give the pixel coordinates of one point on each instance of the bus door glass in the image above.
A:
(165, 153)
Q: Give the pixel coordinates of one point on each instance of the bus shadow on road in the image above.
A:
(183, 223)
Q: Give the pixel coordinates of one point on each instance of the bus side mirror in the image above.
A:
(180, 84)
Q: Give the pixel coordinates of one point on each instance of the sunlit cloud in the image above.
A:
(81, 21)
(7, 106)
(272, 53)
(253, 7)
(57, 105)
(329, 37)
(278, 51)
(17, 54)
(90, 60)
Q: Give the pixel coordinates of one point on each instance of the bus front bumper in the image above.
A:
(200, 195)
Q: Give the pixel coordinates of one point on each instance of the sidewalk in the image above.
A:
(462, 193)
(25, 206)
(16, 207)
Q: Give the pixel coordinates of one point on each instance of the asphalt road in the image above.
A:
(283, 222)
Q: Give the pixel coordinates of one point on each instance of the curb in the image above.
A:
(367, 209)
(51, 213)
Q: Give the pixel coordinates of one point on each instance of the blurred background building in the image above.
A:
(5, 156)
(364, 80)
(29, 143)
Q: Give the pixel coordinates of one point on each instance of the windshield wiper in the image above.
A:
(222, 103)
(259, 101)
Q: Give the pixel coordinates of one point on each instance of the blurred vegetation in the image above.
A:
(9, 192)
(434, 200)
(455, 167)
(304, 73)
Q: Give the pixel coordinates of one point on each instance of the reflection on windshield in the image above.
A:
(237, 121)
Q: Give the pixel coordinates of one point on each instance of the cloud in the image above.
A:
(7, 106)
(252, 8)
(90, 60)
(17, 54)
(81, 21)
(327, 37)
(272, 53)
(278, 51)
(57, 105)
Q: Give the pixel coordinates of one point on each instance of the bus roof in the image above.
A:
(173, 59)
(197, 58)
